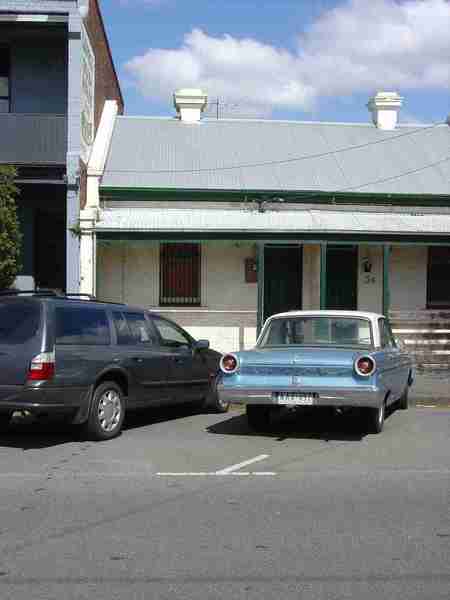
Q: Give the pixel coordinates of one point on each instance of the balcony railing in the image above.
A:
(27, 139)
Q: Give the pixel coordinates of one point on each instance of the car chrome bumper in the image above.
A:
(353, 397)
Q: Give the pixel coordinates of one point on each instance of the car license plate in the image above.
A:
(294, 398)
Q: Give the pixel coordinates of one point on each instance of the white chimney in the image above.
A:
(384, 107)
(190, 104)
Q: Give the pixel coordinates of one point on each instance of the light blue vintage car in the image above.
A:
(340, 359)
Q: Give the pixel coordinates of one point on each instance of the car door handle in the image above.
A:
(138, 359)
(179, 359)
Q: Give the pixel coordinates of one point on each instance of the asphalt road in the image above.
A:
(168, 510)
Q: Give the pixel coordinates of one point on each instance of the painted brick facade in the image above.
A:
(106, 81)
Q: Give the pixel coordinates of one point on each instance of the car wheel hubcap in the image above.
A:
(109, 410)
(381, 414)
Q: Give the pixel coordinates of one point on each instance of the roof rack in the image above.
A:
(79, 295)
(13, 292)
(43, 293)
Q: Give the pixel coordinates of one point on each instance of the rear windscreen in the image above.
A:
(19, 322)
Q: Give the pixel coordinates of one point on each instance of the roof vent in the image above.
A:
(190, 104)
(384, 107)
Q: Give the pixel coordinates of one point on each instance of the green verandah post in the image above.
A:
(386, 286)
(260, 279)
(323, 276)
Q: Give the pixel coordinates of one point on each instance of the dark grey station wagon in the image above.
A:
(94, 360)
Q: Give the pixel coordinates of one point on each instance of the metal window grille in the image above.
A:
(180, 275)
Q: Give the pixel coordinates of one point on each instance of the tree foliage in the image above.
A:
(10, 236)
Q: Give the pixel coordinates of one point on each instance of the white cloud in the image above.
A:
(359, 46)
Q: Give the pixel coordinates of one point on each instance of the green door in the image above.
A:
(342, 277)
(282, 279)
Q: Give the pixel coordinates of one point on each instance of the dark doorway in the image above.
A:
(342, 277)
(282, 279)
(50, 249)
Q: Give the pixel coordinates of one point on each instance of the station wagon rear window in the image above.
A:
(19, 322)
(317, 331)
(82, 326)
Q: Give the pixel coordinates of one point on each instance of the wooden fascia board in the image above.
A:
(266, 237)
(295, 197)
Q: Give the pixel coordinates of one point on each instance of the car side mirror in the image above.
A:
(201, 345)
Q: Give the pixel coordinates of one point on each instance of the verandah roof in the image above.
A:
(249, 224)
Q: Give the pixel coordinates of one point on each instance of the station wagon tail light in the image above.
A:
(229, 363)
(365, 366)
(42, 367)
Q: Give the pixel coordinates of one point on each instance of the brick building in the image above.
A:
(56, 71)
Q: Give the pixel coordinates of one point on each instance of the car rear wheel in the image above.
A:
(375, 419)
(107, 412)
(213, 403)
(258, 417)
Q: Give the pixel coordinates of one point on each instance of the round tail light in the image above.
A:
(229, 363)
(365, 366)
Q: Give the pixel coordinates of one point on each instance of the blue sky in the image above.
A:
(294, 59)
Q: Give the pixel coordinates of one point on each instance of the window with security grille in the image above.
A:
(4, 80)
(180, 275)
(438, 277)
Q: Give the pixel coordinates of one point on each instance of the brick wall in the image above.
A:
(107, 85)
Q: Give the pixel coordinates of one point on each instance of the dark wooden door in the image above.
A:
(342, 277)
(50, 249)
(282, 279)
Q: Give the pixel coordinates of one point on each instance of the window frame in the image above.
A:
(269, 322)
(155, 318)
(170, 299)
(107, 342)
(383, 324)
(153, 337)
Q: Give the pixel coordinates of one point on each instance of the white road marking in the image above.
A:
(116, 474)
(426, 405)
(242, 464)
(194, 474)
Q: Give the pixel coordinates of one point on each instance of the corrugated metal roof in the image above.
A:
(234, 221)
(227, 154)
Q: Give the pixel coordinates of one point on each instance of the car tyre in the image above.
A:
(403, 401)
(375, 418)
(212, 402)
(5, 421)
(107, 412)
(258, 417)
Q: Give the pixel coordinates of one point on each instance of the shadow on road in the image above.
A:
(299, 425)
(34, 434)
(151, 416)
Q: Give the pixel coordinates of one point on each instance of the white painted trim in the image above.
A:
(421, 330)
(100, 148)
(99, 154)
(427, 342)
(201, 310)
